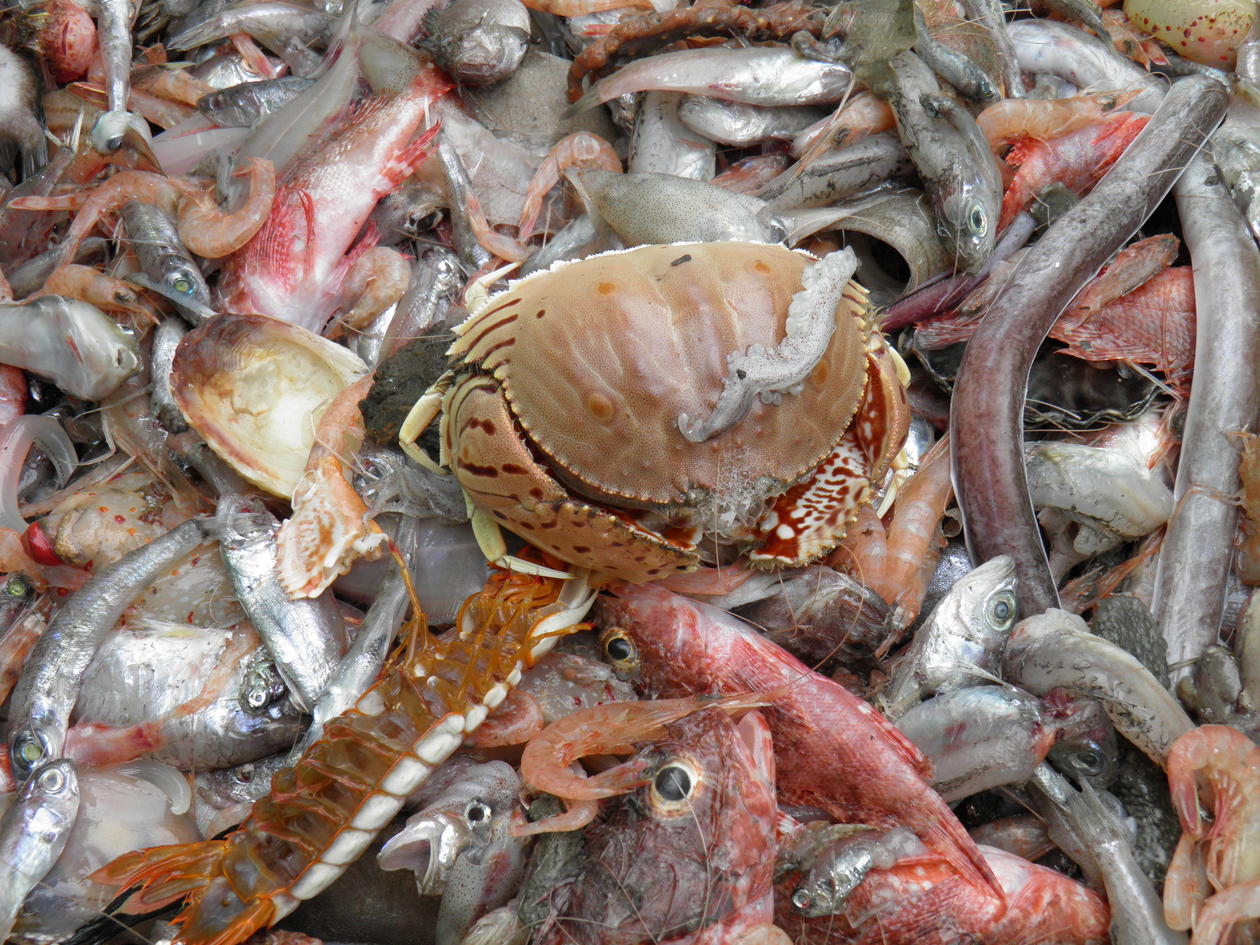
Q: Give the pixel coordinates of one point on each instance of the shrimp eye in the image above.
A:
(17, 586)
(620, 651)
(52, 780)
(674, 786)
(1002, 611)
(977, 221)
(478, 812)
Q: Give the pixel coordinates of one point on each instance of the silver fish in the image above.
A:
(165, 260)
(73, 344)
(1056, 649)
(662, 144)
(960, 641)
(306, 637)
(248, 103)
(959, 172)
(979, 738)
(741, 125)
(33, 832)
(39, 712)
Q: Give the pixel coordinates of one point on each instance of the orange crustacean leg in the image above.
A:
(322, 814)
(613, 728)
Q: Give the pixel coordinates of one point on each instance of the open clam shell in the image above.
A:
(255, 389)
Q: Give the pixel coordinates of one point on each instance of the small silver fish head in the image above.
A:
(969, 228)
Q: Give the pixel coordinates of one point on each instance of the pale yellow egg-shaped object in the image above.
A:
(1203, 31)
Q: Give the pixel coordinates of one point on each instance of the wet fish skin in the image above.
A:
(961, 640)
(33, 832)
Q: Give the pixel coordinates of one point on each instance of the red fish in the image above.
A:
(687, 858)
(921, 900)
(833, 751)
(1153, 324)
(1078, 160)
(294, 267)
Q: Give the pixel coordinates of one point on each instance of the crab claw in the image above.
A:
(118, 128)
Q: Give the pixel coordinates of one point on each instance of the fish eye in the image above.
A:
(52, 780)
(977, 220)
(477, 812)
(620, 651)
(17, 587)
(183, 285)
(28, 751)
(1001, 611)
(244, 774)
(674, 786)
(1089, 761)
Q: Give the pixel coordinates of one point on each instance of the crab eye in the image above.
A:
(620, 651)
(1001, 610)
(674, 787)
(977, 220)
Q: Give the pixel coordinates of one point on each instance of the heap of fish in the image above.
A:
(624, 471)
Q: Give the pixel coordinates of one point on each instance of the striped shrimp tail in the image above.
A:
(163, 874)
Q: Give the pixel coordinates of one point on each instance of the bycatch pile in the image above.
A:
(629, 472)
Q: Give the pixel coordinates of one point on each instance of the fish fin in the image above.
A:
(947, 836)
(1023, 148)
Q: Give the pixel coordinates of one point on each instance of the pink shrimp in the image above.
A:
(547, 764)
(102, 200)
(376, 281)
(1078, 159)
(861, 115)
(17, 643)
(1219, 857)
(580, 149)
(1006, 121)
(112, 296)
(750, 174)
(898, 563)
(213, 232)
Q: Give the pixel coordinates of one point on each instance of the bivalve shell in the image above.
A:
(255, 389)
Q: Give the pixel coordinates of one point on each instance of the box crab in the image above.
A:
(567, 414)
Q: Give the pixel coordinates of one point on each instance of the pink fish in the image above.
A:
(921, 900)
(833, 751)
(686, 859)
(294, 267)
